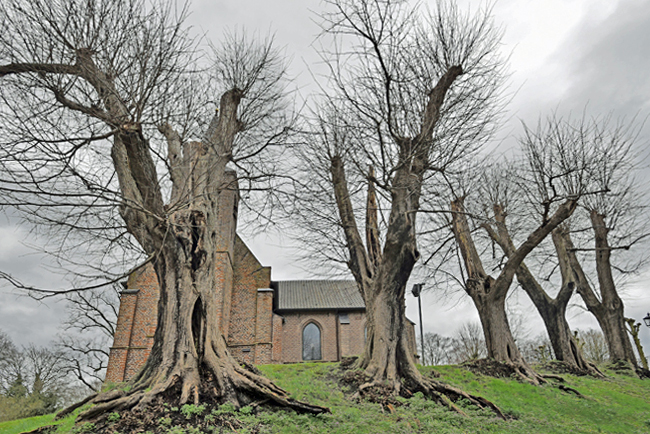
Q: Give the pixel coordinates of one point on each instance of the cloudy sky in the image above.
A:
(564, 55)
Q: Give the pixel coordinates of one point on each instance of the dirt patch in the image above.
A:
(559, 367)
(351, 379)
(490, 368)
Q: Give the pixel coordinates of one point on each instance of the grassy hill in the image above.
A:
(619, 404)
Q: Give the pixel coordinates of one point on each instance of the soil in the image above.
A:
(351, 379)
(490, 368)
(559, 367)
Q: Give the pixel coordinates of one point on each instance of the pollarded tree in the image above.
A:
(550, 181)
(102, 101)
(410, 94)
(609, 234)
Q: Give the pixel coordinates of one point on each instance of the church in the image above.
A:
(267, 321)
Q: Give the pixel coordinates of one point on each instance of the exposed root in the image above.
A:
(452, 394)
(384, 392)
(493, 368)
(554, 377)
(237, 385)
(68, 410)
(643, 373)
(560, 367)
(570, 390)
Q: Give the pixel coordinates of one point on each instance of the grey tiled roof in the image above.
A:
(318, 294)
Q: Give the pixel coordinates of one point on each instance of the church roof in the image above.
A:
(317, 295)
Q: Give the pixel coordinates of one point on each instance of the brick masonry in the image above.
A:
(253, 331)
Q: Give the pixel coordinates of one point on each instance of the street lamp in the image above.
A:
(646, 320)
(416, 291)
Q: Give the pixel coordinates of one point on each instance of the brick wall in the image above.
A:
(352, 336)
(136, 325)
(292, 328)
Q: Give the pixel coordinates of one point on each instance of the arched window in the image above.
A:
(311, 342)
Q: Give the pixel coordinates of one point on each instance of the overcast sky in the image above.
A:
(564, 54)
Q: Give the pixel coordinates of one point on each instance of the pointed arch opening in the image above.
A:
(311, 342)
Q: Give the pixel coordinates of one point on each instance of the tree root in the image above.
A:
(570, 390)
(240, 386)
(68, 410)
(440, 393)
(448, 394)
(642, 373)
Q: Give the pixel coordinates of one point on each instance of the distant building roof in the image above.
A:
(318, 294)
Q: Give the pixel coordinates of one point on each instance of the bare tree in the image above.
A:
(550, 180)
(10, 362)
(469, 343)
(102, 103)
(438, 349)
(33, 381)
(410, 94)
(88, 334)
(609, 235)
(537, 350)
(593, 344)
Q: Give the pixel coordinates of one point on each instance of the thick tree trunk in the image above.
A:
(488, 299)
(189, 243)
(608, 310)
(488, 294)
(552, 311)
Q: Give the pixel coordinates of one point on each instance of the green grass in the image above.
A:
(620, 404)
(27, 424)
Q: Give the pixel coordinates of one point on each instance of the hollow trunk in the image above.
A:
(190, 243)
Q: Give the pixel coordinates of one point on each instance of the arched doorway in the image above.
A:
(311, 342)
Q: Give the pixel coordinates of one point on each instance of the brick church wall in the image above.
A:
(352, 335)
(136, 325)
(294, 323)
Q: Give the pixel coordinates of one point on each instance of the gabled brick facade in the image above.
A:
(254, 331)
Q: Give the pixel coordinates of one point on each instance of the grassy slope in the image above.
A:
(620, 404)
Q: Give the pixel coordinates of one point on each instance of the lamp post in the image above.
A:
(417, 289)
(646, 320)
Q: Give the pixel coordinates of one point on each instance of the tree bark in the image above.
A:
(608, 310)
(188, 243)
(552, 310)
(489, 294)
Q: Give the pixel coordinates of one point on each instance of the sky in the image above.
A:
(564, 55)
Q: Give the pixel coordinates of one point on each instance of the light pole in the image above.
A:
(417, 289)
(646, 320)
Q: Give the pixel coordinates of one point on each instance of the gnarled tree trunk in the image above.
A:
(608, 310)
(489, 294)
(382, 274)
(189, 246)
(552, 310)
